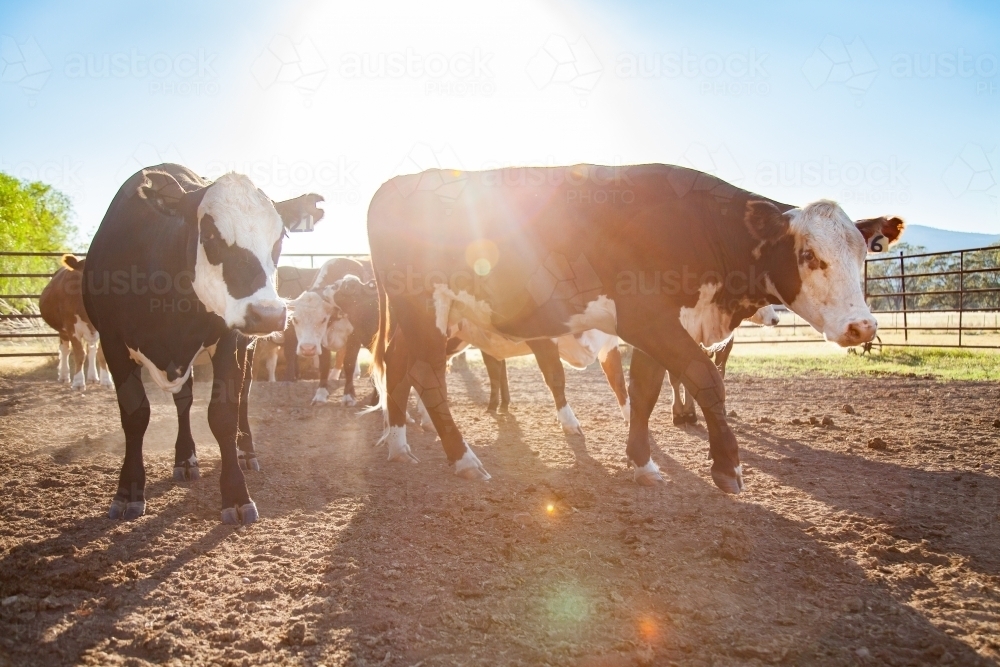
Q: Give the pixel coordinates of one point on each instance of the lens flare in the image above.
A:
(550, 508)
(648, 629)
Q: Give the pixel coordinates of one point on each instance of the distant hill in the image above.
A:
(943, 240)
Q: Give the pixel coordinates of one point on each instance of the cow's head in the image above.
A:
(765, 317)
(358, 300)
(311, 317)
(239, 232)
(814, 259)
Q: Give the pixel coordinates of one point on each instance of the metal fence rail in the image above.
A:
(937, 299)
(26, 323)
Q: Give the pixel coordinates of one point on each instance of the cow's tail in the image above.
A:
(378, 357)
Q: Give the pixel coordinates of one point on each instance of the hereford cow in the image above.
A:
(61, 306)
(180, 265)
(659, 255)
(359, 302)
(682, 408)
(320, 328)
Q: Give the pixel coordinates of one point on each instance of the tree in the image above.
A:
(34, 217)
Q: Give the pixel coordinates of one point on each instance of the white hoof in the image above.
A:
(570, 424)
(649, 474)
(348, 401)
(106, 380)
(399, 449)
(79, 382)
(320, 397)
(428, 426)
(469, 467)
(626, 410)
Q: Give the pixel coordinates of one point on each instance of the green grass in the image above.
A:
(942, 364)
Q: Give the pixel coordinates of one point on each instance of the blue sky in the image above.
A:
(889, 107)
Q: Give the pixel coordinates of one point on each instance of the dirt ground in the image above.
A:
(837, 554)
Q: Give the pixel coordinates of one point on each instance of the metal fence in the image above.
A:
(21, 325)
(940, 299)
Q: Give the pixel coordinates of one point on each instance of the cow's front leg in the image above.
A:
(79, 362)
(645, 381)
(244, 438)
(185, 458)
(547, 354)
(64, 372)
(130, 500)
(223, 419)
(350, 360)
(322, 393)
(290, 350)
(92, 362)
(669, 344)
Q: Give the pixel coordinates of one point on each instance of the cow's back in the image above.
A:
(292, 281)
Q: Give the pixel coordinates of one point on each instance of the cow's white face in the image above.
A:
(829, 256)
(765, 317)
(310, 317)
(239, 241)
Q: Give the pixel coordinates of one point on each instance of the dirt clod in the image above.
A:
(877, 443)
(848, 409)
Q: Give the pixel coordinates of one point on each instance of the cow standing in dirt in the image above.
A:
(180, 265)
(61, 306)
(659, 255)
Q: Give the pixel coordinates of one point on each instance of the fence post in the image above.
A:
(961, 293)
(902, 289)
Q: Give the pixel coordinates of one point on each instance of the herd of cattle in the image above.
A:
(563, 263)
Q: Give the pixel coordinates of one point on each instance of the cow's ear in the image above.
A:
(880, 233)
(163, 193)
(72, 262)
(764, 221)
(293, 211)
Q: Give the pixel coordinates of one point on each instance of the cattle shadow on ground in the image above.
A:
(959, 515)
(804, 563)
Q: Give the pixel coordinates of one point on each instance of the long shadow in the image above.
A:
(953, 511)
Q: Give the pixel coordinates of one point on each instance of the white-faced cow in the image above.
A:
(651, 253)
(180, 265)
(320, 328)
(682, 408)
(61, 306)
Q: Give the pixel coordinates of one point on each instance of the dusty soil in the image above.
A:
(837, 554)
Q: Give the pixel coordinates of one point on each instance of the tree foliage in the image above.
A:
(34, 217)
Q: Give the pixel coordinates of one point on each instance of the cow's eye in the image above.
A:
(808, 255)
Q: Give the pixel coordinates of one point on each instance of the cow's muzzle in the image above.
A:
(264, 319)
(858, 332)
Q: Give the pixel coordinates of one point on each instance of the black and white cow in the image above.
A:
(179, 265)
(659, 255)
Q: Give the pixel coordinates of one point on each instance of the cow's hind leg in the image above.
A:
(645, 381)
(547, 354)
(682, 403)
(244, 439)
(224, 420)
(426, 368)
(102, 364)
(611, 364)
(494, 369)
(130, 500)
(398, 386)
(92, 362)
(185, 457)
(349, 361)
